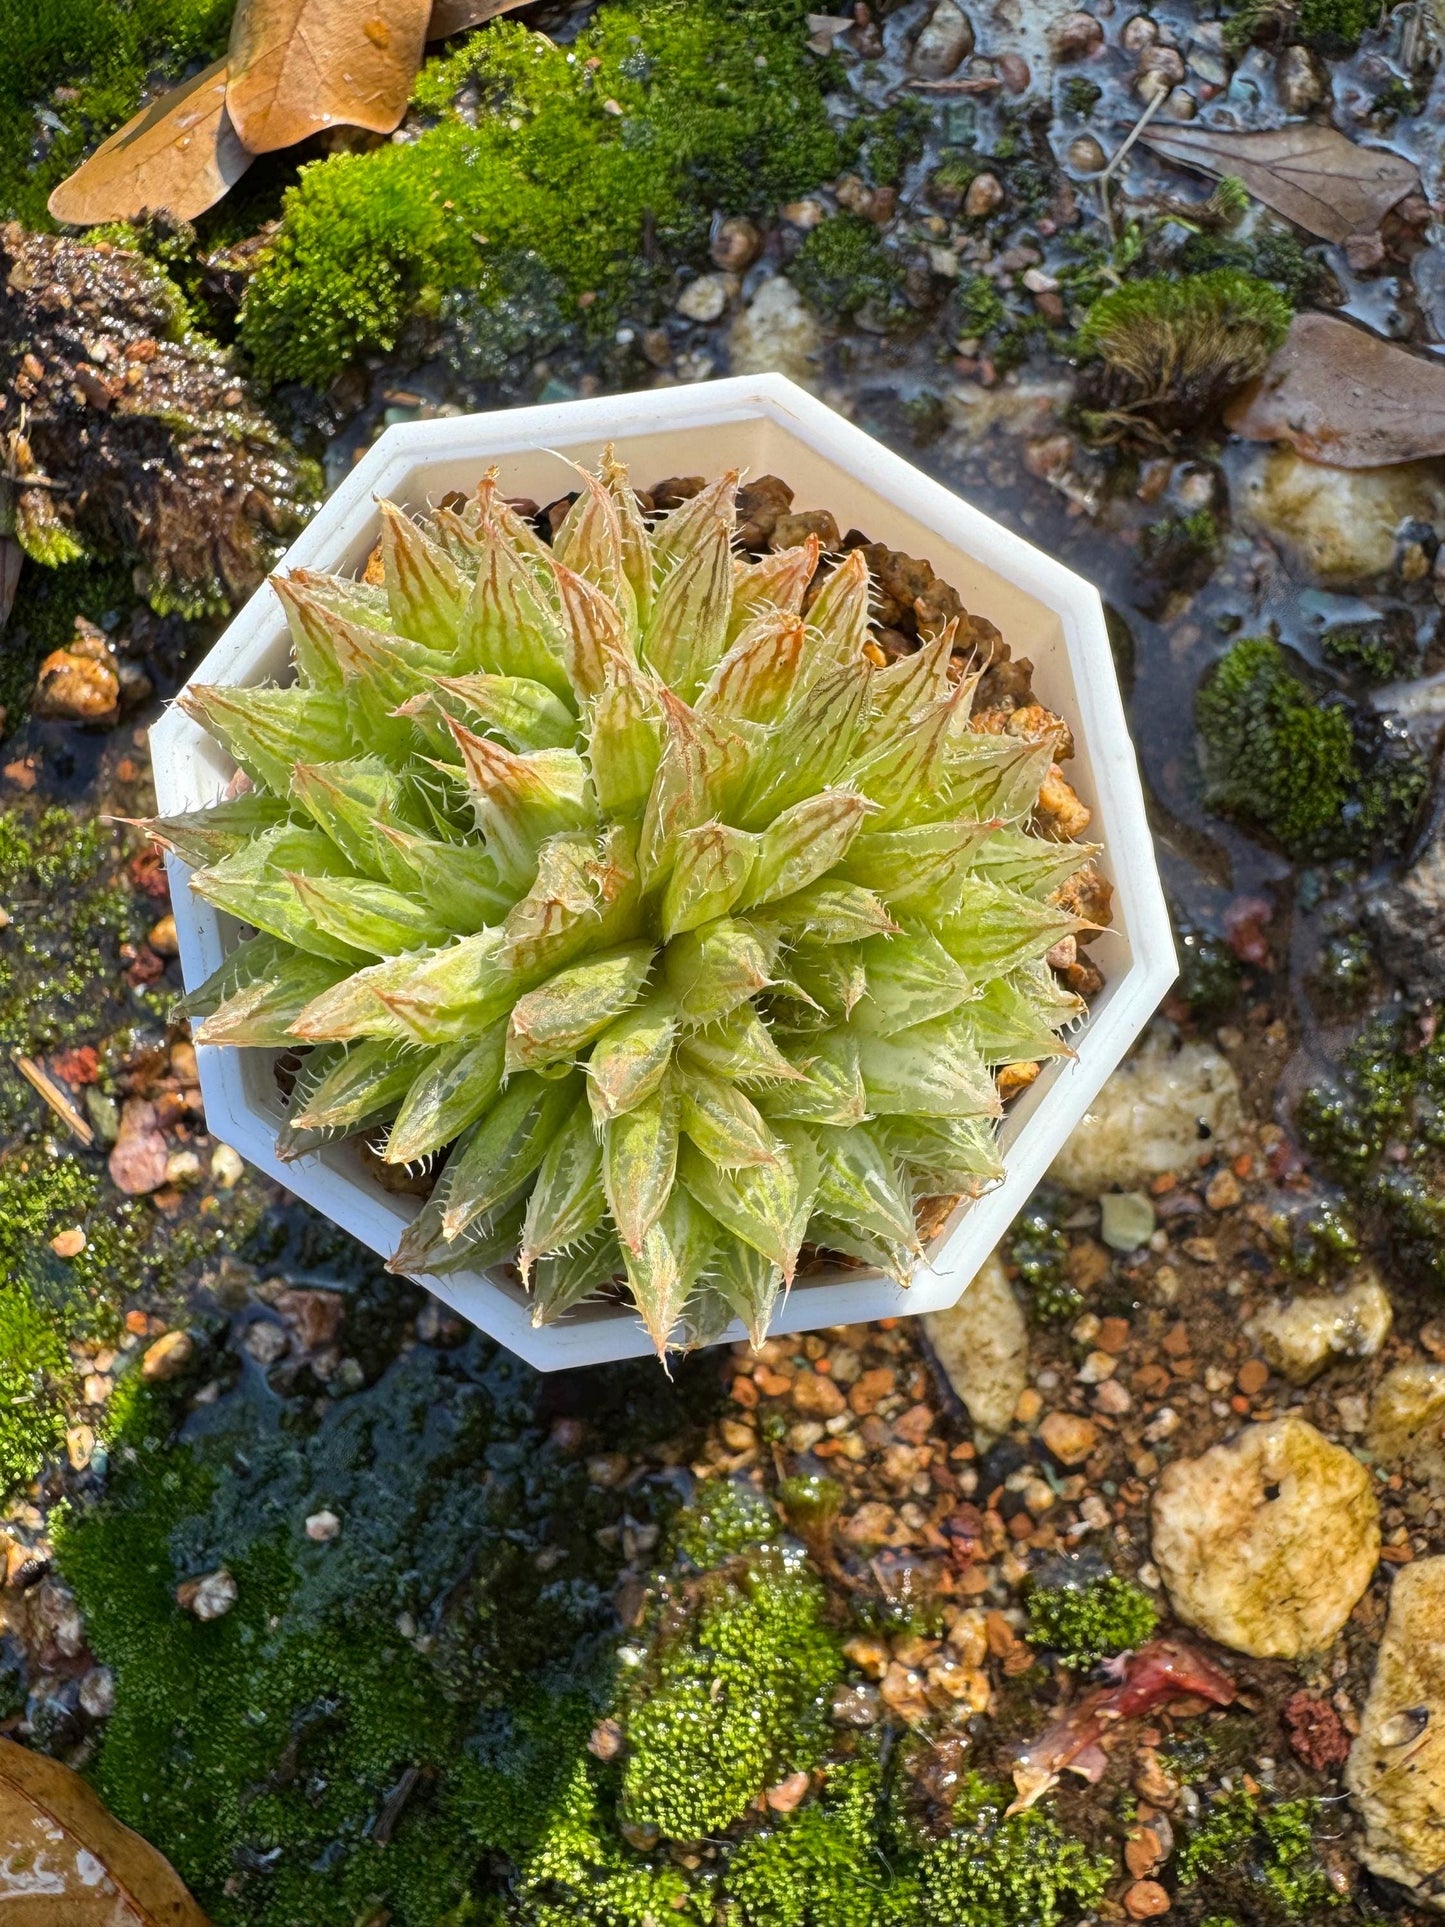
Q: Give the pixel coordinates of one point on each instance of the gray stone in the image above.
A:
(1337, 527)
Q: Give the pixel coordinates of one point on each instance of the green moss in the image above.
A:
(818, 1867)
(1260, 1858)
(995, 1869)
(718, 110)
(980, 309)
(725, 1517)
(102, 51)
(1079, 96)
(582, 1874)
(1380, 651)
(1083, 1623)
(1300, 765)
(1175, 347)
(843, 269)
(896, 139)
(1209, 972)
(1039, 1247)
(733, 1698)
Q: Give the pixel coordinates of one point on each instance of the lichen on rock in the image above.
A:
(1407, 1421)
(1164, 1105)
(1301, 1336)
(1267, 1543)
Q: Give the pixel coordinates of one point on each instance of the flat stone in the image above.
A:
(776, 332)
(1267, 1543)
(1337, 526)
(1396, 1769)
(703, 299)
(982, 1347)
(1407, 1421)
(945, 42)
(1300, 1336)
(1157, 1113)
(1070, 1437)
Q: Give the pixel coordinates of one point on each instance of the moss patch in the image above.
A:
(1084, 1623)
(601, 162)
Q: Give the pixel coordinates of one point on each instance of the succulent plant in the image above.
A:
(681, 929)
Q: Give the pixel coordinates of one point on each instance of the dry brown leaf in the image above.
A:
(179, 155)
(1310, 174)
(455, 16)
(68, 1863)
(1346, 397)
(299, 66)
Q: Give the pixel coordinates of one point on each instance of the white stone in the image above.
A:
(1159, 1110)
(1396, 1768)
(1300, 1336)
(703, 299)
(1336, 526)
(1407, 1421)
(982, 1345)
(777, 333)
(322, 1527)
(214, 1595)
(1267, 1543)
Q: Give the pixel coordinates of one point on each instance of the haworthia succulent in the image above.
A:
(612, 880)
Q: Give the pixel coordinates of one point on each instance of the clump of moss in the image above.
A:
(1079, 96)
(1084, 1623)
(1040, 1248)
(1174, 348)
(1210, 975)
(997, 1869)
(843, 269)
(895, 140)
(1315, 1240)
(1382, 650)
(1298, 762)
(1377, 1125)
(725, 1517)
(1259, 1857)
(717, 110)
(1333, 26)
(732, 1700)
(104, 56)
(819, 1867)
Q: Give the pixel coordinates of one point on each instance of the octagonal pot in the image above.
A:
(761, 424)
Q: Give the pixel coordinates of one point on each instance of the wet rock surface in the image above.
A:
(1396, 1770)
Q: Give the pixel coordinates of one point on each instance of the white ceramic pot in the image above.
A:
(762, 424)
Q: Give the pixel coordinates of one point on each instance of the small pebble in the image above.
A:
(1127, 1219)
(69, 1243)
(168, 1357)
(703, 299)
(210, 1597)
(985, 194)
(1146, 1900)
(322, 1527)
(266, 1341)
(226, 1166)
(162, 937)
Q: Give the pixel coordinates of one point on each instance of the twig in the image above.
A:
(1129, 139)
(46, 1085)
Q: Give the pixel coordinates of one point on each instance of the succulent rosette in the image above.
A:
(617, 881)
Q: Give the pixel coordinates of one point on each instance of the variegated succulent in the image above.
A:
(645, 902)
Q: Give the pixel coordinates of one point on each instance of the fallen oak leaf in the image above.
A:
(69, 1863)
(177, 156)
(1312, 175)
(1346, 397)
(299, 66)
(455, 16)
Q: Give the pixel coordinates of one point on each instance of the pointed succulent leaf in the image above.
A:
(700, 765)
(292, 1141)
(457, 881)
(259, 1014)
(637, 559)
(712, 970)
(666, 1265)
(353, 1007)
(918, 871)
(776, 582)
(810, 747)
(831, 978)
(994, 929)
(488, 1240)
(724, 1124)
(584, 896)
(624, 742)
(829, 1087)
(894, 1259)
(639, 1162)
(759, 1203)
(739, 1046)
(522, 800)
(567, 1202)
(425, 590)
(914, 683)
(452, 1090)
(525, 714)
(748, 1282)
(559, 1017)
(930, 1071)
(687, 628)
(352, 802)
(566, 1278)
(911, 979)
(490, 507)
(694, 522)
(253, 883)
(706, 1317)
(764, 665)
(1034, 865)
(254, 963)
(313, 603)
(711, 867)
(803, 844)
(509, 627)
(368, 916)
(1005, 1025)
(905, 774)
(202, 837)
(365, 1082)
(996, 776)
(268, 730)
(589, 542)
(455, 992)
(859, 1183)
(945, 1155)
(824, 913)
(596, 642)
(630, 1059)
(839, 611)
(506, 1147)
